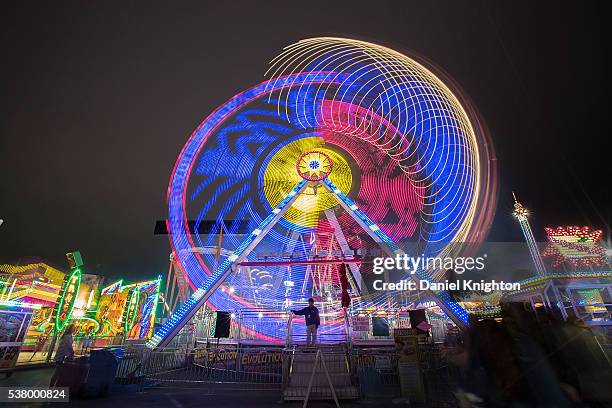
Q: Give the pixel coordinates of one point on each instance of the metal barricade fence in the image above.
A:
(82, 346)
(333, 329)
(244, 325)
(440, 378)
(377, 373)
(603, 337)
(243, 367)
(250, 321)
(376, 370)
(279, 325)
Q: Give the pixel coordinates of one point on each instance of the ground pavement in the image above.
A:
(214, 395)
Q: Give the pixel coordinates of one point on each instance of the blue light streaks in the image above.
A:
(199, 297)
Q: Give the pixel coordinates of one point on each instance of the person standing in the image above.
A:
(88, 340)
(65, 349)
(313, 321)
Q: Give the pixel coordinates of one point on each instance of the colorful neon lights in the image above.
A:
(402, 108)
(149, 310)
(115, 287)
(65, 303)
(19, 304)
(415, 159)
(521, 213)
(575, 246)
(443, 298)
(89, 319)
(535, 282)
(131, 310)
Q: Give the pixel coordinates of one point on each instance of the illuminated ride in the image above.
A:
(578, 247)
(578, 278)
(349, 146)
(128, 310)
(521, 214)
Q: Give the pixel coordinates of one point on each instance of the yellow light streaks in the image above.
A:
(281, 176)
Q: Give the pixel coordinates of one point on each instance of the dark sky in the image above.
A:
(98, 98)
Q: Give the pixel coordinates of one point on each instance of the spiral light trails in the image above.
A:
(403, 149)
(431, 137)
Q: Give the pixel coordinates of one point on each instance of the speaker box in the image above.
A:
(380, 326)
(222, 325)
(417, 316)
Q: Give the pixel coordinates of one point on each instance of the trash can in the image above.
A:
(103, 365)
(71, 374)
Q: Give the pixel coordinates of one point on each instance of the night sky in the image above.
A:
(98, 98)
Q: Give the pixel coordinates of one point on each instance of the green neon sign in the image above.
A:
(132, 309)
(67, 299)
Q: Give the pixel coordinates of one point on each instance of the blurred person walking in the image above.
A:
(65, 349)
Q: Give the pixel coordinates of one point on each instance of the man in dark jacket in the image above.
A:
(313, 321)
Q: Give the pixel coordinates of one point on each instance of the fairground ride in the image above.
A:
(347, 148)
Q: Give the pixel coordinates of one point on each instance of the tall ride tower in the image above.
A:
(521, 214)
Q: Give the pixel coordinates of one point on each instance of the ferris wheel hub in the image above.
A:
(314, 165)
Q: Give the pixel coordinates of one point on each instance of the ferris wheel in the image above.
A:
(347, 146)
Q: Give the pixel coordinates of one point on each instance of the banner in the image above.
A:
(411, 381)
(243, 360)
(13, 328)
(361, 323)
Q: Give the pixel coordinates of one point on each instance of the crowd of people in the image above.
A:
(528, 359)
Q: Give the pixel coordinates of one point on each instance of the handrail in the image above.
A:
(347, 329)
(289, 338)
